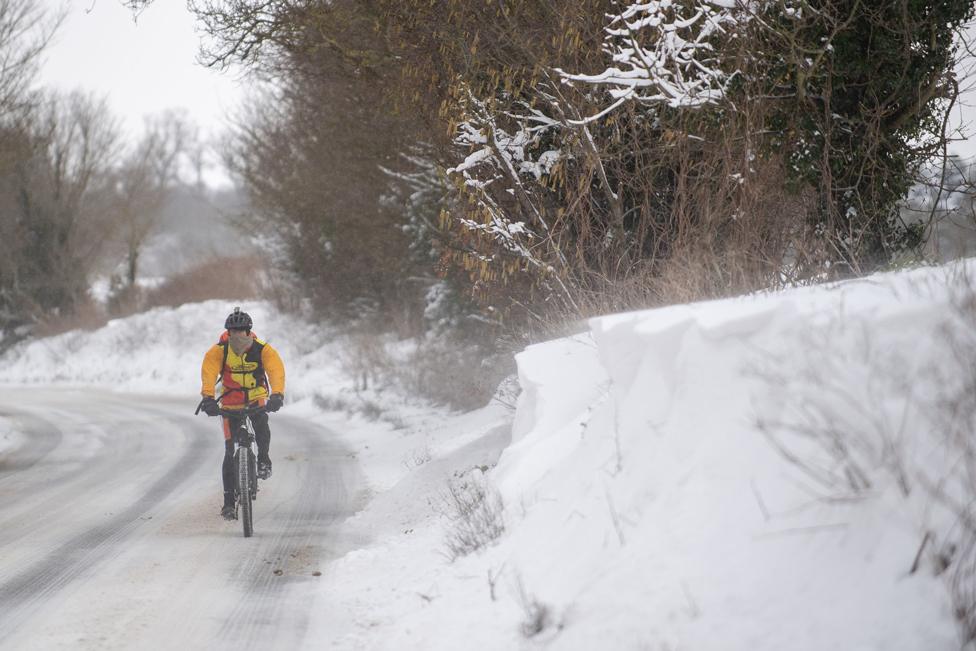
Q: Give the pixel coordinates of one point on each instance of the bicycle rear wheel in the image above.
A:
(245, 479)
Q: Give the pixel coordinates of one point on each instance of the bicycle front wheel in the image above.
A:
(245, 480)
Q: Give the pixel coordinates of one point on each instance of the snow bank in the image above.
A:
(747, 474)
(652, 508)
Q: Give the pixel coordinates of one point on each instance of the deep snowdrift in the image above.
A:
(652, 502)
(756, 473)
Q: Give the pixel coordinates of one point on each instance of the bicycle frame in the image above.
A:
(246, 462)
(246, 489)
(244, 435)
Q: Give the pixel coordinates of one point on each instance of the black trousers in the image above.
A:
(262, 435)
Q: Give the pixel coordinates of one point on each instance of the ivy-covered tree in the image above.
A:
(867, 88)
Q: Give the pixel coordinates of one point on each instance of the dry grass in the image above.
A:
(845, 410)
(88, 316)
(962, 583)
(954, 418)
(366, 360)
(729, 238)
(232, 277)
(476, 513)
(460, 375)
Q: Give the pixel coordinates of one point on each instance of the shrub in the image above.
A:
(462, 375)
(476, 513)
(86, 316)
(225, 277)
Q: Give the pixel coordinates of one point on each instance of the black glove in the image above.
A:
(275, 402)
(210, 407)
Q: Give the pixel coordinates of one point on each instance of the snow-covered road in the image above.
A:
(668, 479)
(109, 534)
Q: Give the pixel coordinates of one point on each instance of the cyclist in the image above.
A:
(251, 373)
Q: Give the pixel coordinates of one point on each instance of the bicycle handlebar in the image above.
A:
(246, 411)
(235, 413)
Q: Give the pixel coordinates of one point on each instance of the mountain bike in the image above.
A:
(245, 460)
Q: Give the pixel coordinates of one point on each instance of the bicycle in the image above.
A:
(246, 490)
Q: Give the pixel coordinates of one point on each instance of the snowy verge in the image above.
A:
(674, 482)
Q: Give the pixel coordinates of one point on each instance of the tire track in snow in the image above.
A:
(47, 488)
(42, 438)
(22, 594)
(323, 499)
(102, 466)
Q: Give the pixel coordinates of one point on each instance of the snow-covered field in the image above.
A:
(785, 471)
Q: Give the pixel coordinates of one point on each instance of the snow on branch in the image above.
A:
(507, 152)
(664, 53)
(503, 157)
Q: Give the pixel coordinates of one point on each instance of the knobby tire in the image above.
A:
(245, 481)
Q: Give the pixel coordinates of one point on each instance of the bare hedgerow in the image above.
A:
(361, 405)
(450, 371)
(366, 360)
(330, 402)
(476, 512)
(217, 278)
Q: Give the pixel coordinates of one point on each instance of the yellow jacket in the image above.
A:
(246, 378)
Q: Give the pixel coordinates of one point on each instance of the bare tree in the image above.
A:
(25, 30)
(52, 196)
(143, 181)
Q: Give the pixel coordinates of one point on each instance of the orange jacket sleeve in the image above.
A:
(275, 369)
(210, 370)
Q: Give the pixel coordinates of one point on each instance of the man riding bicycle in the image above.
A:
(250, 373)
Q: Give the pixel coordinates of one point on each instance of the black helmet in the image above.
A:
(238, 320)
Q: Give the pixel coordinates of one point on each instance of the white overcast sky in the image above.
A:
(142, 67)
